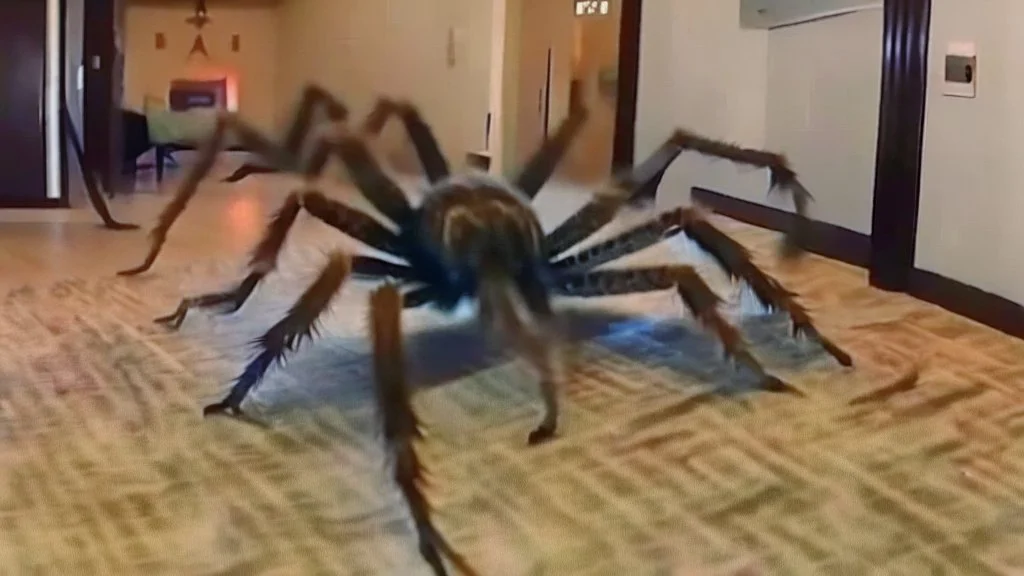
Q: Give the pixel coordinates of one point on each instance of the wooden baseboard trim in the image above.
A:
(855, 248)
(826, 239)
(984, 307)
(9, 204)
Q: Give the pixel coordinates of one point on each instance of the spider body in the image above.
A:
(471, 227)
(478, 237)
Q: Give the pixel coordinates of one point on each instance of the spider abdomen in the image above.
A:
(477, 222)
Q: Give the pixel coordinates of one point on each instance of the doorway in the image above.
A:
(595, 70)
(554, 49)
(541, 54)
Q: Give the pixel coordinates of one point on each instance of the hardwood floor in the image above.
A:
(665, 463)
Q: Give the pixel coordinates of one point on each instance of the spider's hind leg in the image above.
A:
(696, 295)
(736, 261)
(729, 254)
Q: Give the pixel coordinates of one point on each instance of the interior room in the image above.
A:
(654, 287)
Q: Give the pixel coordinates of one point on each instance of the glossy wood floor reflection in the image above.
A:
(665, 465)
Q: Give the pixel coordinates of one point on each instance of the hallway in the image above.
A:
(109, 468)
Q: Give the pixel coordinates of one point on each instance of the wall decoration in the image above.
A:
(198, 47)
(236, 42)
(199, 17)
(160, 41)
(187, 94)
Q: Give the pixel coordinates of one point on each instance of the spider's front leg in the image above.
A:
(298, 324)
(695, 293)
(283, 156)
(401, 428)
(264, 259)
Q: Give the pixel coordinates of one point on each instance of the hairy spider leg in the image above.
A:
(782, 178)
(299, 324)
(264, 258)
(401, 427)
(604, 206)
(695, 293)
(284, 156)
(435, 166)
(387, 197)
(602, 209)
(729, 254)
(246, 170)
(382, 192)
(519, 309)
(736, 261)
(313, 97)
(542, 164)
(360, 227)
(348, 220)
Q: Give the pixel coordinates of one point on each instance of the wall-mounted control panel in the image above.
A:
(961, 74)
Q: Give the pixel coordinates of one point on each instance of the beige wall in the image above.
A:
(810, 91)
(973, 162)
(824, 85)
(361, 49)
(148, 71)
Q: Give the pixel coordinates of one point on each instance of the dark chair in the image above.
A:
(135, 131)
(134, 138)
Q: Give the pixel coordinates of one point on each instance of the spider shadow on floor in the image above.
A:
(337, 371)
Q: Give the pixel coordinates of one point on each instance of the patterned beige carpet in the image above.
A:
(667, 463)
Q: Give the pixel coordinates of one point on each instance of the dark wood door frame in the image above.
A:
(624, 139)
(897, 193)
(65, 199)
(900, 139)
(100, 139)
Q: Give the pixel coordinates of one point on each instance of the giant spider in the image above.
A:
(475, 236)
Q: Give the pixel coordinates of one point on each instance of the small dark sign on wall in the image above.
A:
(187, 94)
(236, 42)
(186, 99)
(161, 41)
